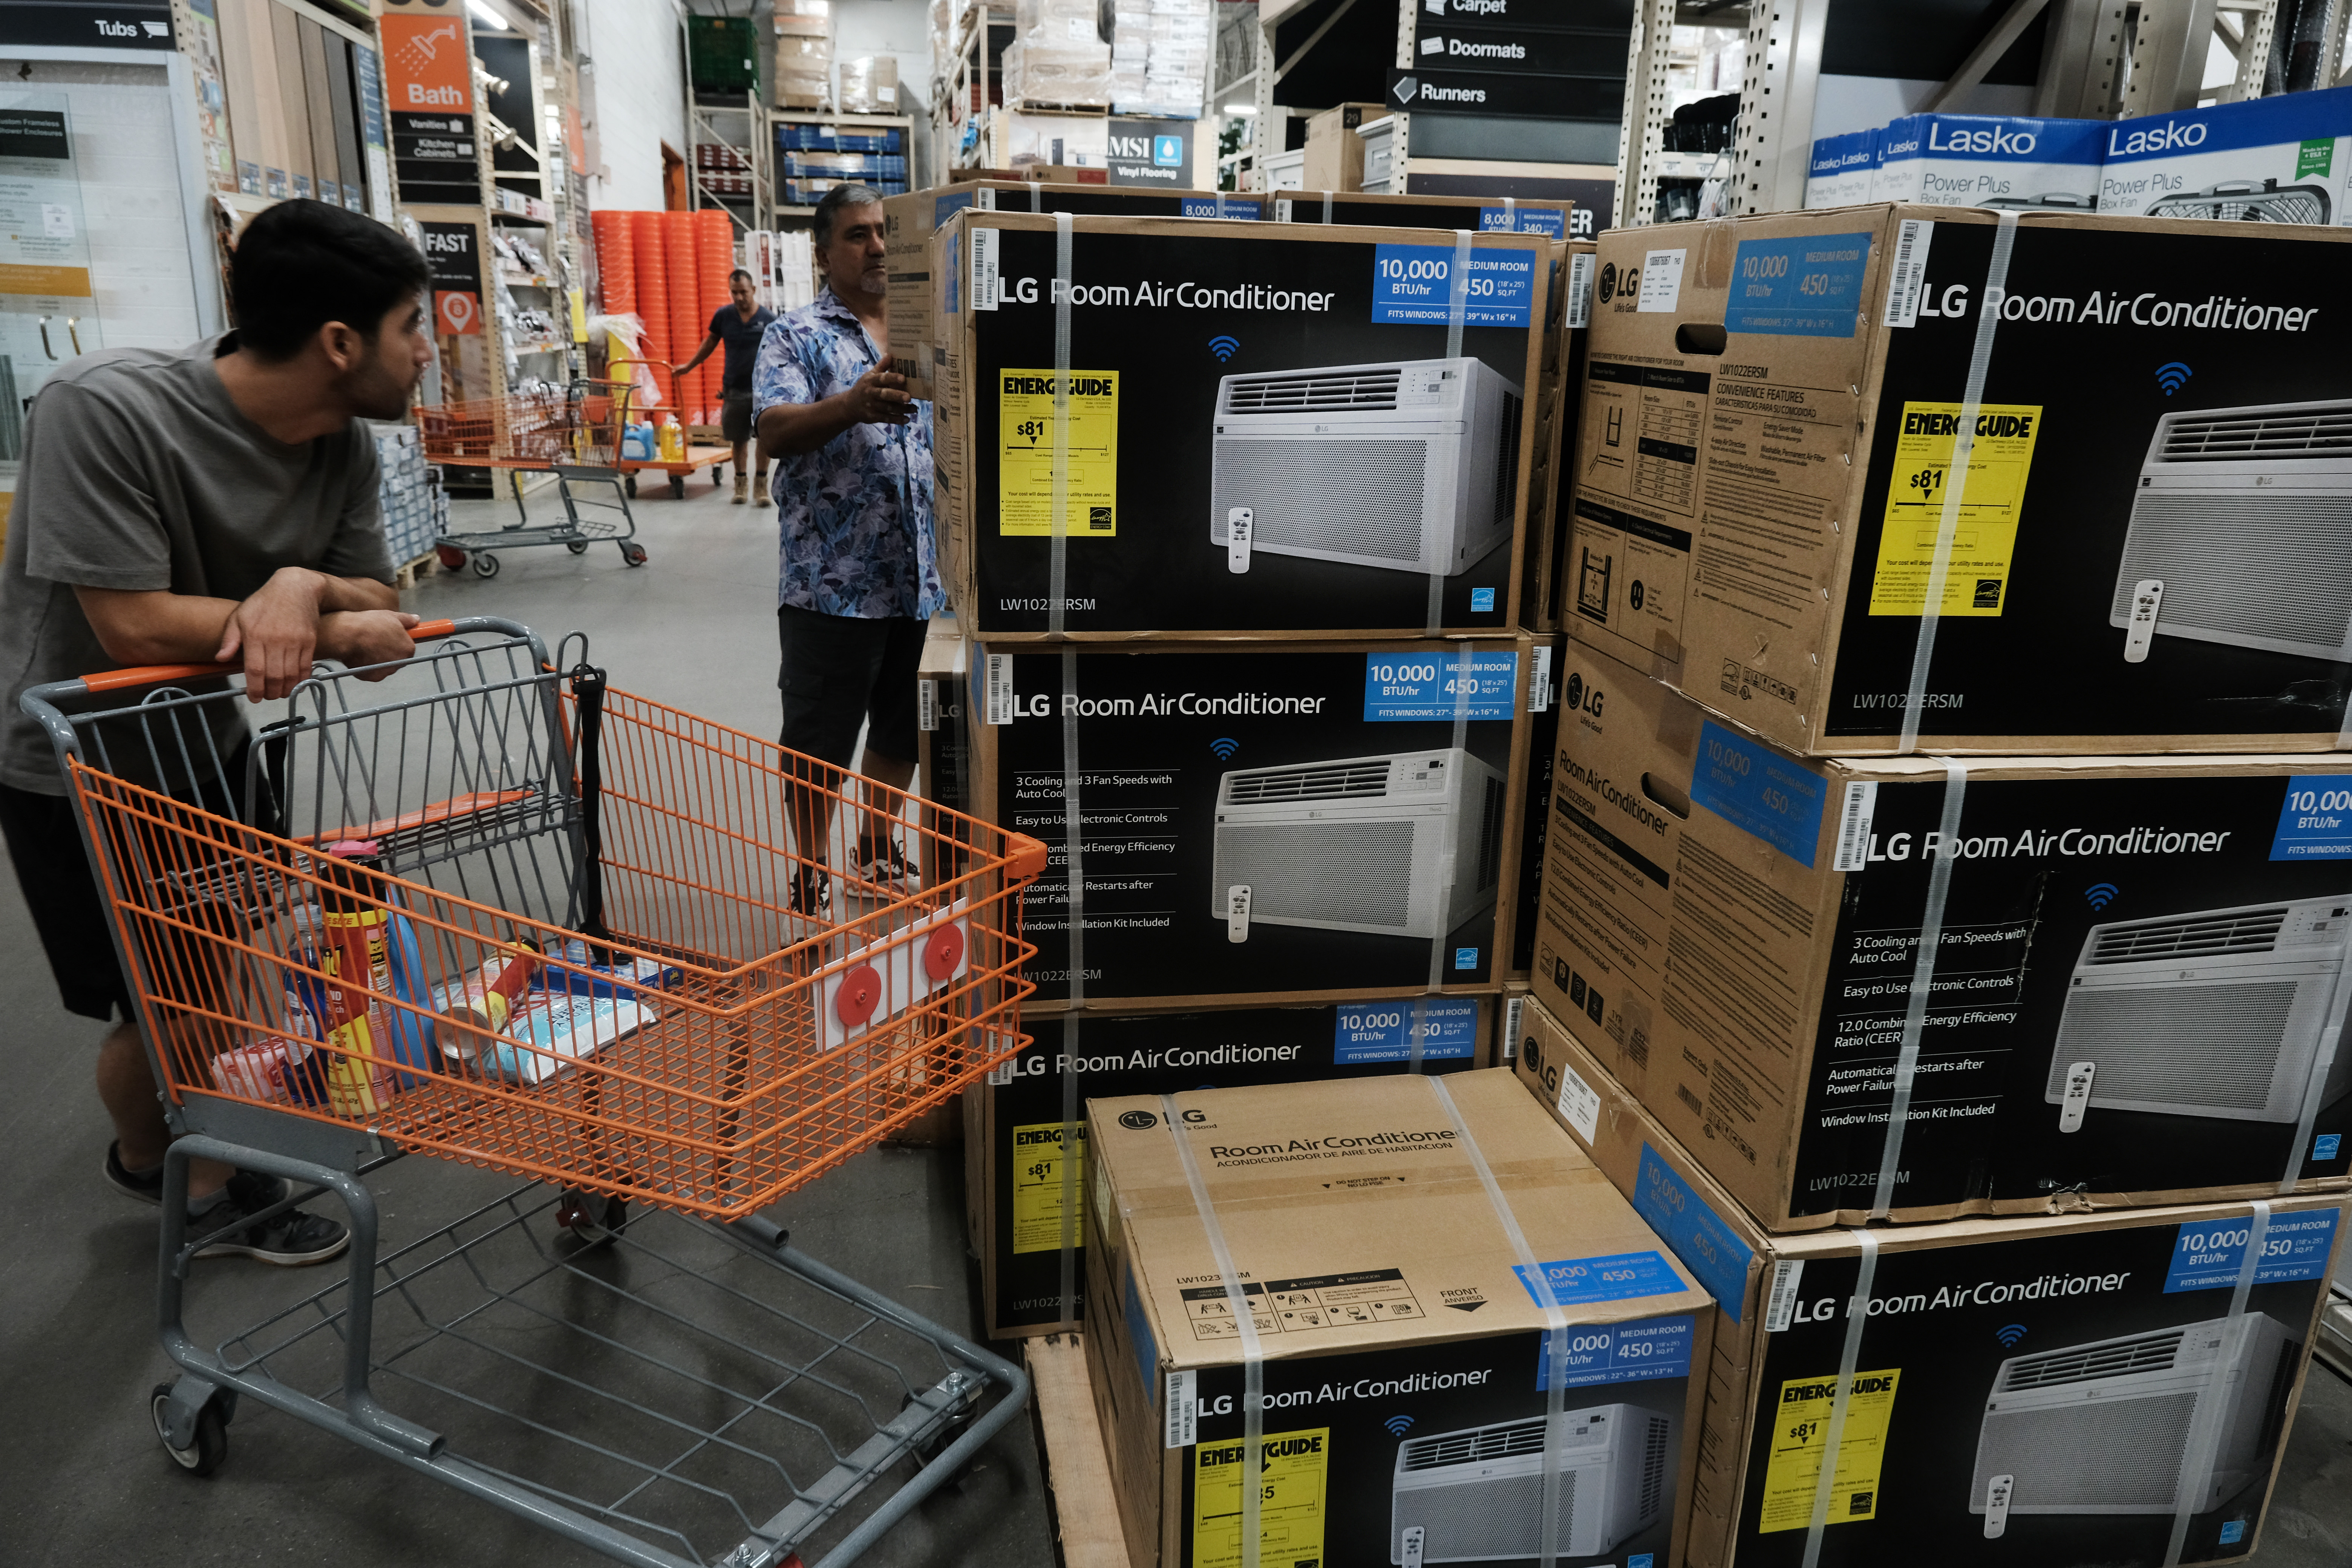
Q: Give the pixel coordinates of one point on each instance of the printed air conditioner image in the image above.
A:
(1477, 1495)
(2242, 525)
(1412, 465)
(1399, 845)
(2146, 1422)
(2222, 1013)
(2247, 201)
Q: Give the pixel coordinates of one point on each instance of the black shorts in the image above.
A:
(841, 671)
(735, 416)
(44, 837)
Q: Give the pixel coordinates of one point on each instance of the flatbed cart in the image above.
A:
(574, 434)
(697, 459)
(620, 1349)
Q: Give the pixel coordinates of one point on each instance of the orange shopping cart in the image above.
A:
(573, 432)
(482, 907)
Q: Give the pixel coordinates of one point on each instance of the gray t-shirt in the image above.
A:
(140, 474)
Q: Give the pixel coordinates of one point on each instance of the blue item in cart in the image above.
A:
(638, 444)
(621, 979)
(415, 1043)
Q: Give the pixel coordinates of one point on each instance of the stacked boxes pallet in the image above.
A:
(1992, 1057)
(416, 511)
(1289, 683)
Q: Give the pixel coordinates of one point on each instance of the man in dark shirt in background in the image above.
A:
(740, 326)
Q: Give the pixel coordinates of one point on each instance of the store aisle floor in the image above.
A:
(87, 1480)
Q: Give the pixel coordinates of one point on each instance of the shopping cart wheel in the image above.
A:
(630, 484)
(210, 1444)
(577, 546)
(678, 487)
(937, 1443)
(635, 554)
(485, 563)
(588, 1216)
(452, 558)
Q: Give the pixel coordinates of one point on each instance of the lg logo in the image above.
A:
(1580, 698)
(1138, 1121)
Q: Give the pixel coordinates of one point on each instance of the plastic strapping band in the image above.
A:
(1058, 587)
(1510, 214)
(1457, 307)
(1923, 979)
(2331, 1040)
(1326, 206)
(1956, 482)
(1073, 1140)
(1539, 1283)
(1036, 196)
(2205, 1427)
(1465, 669)
(1252, 1352)
(1857, 1313)
(1073, 850)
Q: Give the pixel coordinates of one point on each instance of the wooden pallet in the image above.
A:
(415, 572)
(1069, 1439)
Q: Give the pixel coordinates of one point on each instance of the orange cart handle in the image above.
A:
(158, 674)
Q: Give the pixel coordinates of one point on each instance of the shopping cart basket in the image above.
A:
(621, 1350)
(573, 432)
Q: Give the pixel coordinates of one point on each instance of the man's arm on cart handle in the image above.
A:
(878, 398)
(297, 617)
(709, 345)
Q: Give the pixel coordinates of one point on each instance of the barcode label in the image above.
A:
(1282, 209)
(926, 705)
(983, 268)
(1183, 1410)
(1580, 290)
(999, 704)
(1579, 1104)
(1907, 278)
(1853, 827)
(984, 200)
(1539, 685)
(1513, 1011)
(1783, 1304)
(1002, 1077)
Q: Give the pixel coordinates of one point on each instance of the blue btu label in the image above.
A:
(1616, 1352)
(2315, 819)
(1414, 283)
(1751, 787)
(1385, 1033)
(1406, 688)
(1807, 287)
(2206, 1255)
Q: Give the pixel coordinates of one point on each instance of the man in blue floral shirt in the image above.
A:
(857, 573)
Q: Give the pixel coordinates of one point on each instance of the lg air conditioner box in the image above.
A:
(2241, 532)
(1477, 1495)
(2147, 1423)
(1412, 465)
(1401, 845)
(2231, 1013)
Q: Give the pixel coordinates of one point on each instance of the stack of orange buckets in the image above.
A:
(685, 320)
(617, 263)
(653, 294)
(670, 268)
(714, 259)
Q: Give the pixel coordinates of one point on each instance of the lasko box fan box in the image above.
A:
(1279, 822)
(2150, 549)
(1489, 214)
(1022, 1161)
(1416, 1409)
(1272, 430)
(2038, 1391)
(2137, 994)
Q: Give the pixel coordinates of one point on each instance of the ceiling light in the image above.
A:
(488, 17)
(1242, 109)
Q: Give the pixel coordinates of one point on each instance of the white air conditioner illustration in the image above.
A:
(1412, 465)
(2144, 1422)
(1478, 1494)
(1400, 846)
(2228, 1013)
(2243, 521)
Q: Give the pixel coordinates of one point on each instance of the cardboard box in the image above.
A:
(1535, 811)
(910, 220)
(1760, 467)
(1018, 1132)
(1494, 215)
(1969, 1365)
(1398, 1326)
(2272, 160)
(1295, 379)
(1738, 929)
(1845, 168)
(1990, 160)
(1334, 153)
(943, 742)
(1543, 588)
(1374, 834)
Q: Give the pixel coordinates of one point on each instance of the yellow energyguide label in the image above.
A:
(1794, 1472)
(1290, 1479)
(1984, 532)
(1039, 1151)
(1024, 469)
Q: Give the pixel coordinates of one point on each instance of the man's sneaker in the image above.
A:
(742, 487)
(881, 865)
(289, 1240)
(250, 1188)
(812, 891)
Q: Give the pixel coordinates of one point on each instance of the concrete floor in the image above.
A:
(77, 1351)
(88, 1482)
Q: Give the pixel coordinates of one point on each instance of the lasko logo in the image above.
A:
(2167, 137)
(1998, 139)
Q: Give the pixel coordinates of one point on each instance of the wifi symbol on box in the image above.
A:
(2172, 377)
(2010, 1334)
(1225, 748)
(2102, 894)
(1398, 1425)
(1224, 348)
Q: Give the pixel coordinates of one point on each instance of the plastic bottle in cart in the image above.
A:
(673, 440)
(357, 955)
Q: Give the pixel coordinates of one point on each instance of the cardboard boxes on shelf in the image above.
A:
(2042, 1392)
(2139, 976)
(1275, 434)
(1407, 1370)
(1020, 1168)
(1334, 153)
(1764, 466)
